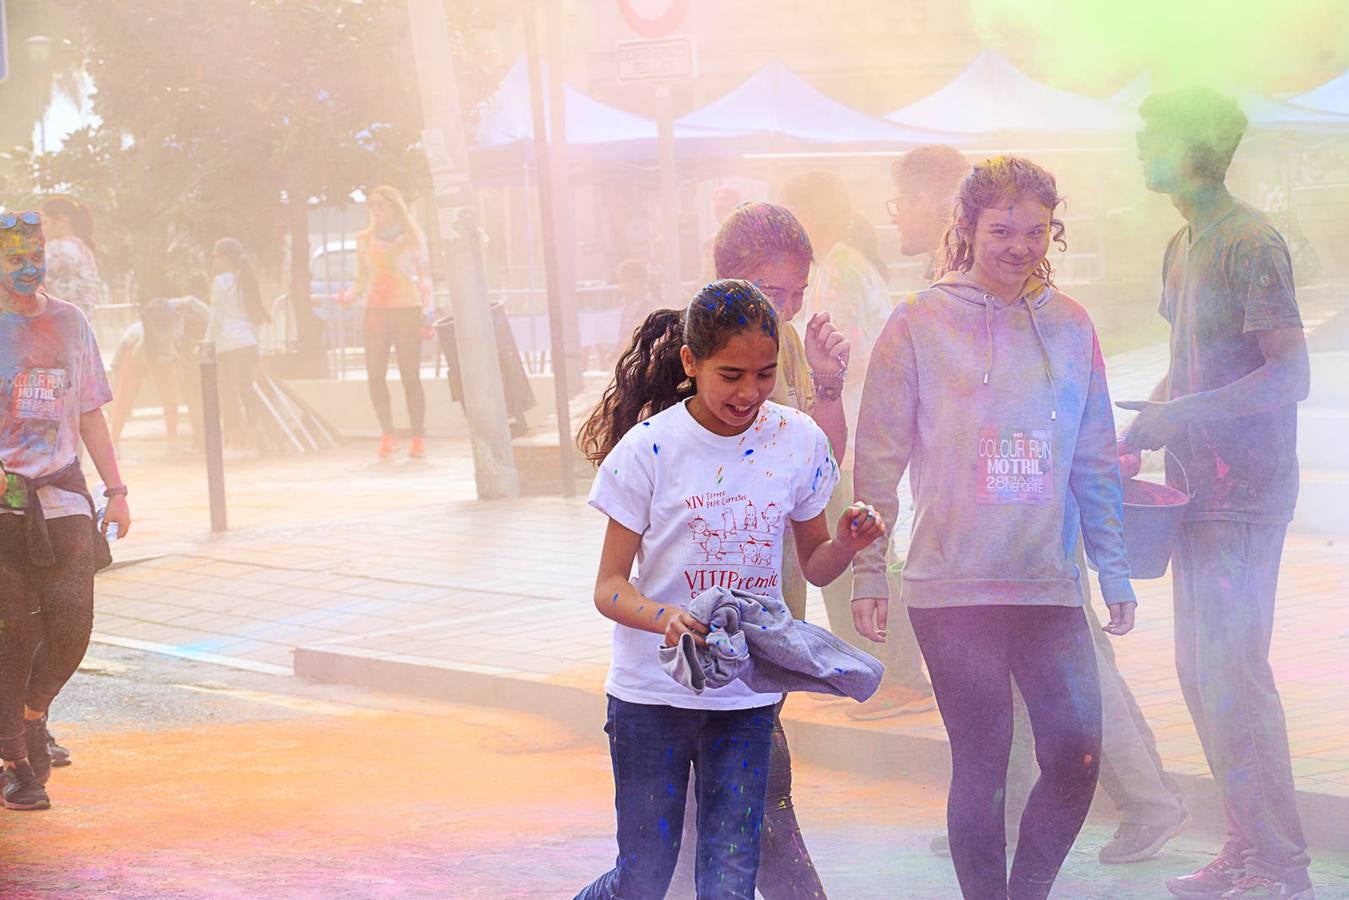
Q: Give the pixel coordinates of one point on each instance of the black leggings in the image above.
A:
(402, 328)
(240, 408)
(63, 595)
(973, 653)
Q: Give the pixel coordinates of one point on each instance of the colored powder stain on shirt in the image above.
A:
(655, 448)
(749, 452)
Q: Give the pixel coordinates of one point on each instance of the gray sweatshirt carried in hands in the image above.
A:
(999, 412)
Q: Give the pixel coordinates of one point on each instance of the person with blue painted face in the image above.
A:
(52, 390)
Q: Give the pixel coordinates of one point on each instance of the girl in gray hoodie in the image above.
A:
(991, 386)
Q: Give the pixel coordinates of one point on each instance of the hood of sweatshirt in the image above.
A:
(1034, 296)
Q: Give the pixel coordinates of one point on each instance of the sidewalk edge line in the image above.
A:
(232, 662)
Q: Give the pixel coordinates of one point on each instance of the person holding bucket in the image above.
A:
(991, 384)
(1227, 412)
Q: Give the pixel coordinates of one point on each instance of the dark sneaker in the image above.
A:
(1134, 843)
(60, 755)
(21, 789)
(1213, 881)
(39, 757)
(1253, 885)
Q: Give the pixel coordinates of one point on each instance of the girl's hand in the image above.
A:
(859, 525)
(1121, 618)
(681, 623)
(118, 512)
(827, 350)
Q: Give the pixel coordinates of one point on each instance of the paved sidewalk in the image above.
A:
(415, 586)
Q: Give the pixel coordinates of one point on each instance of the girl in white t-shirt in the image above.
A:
(700, 476)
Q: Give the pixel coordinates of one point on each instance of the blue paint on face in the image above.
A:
(24, 263)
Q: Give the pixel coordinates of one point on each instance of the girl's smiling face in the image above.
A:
(1009, 243)
(734, 382)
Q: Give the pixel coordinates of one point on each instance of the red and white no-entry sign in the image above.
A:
(653, 18)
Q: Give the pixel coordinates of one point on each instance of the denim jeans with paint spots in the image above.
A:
(652, 749)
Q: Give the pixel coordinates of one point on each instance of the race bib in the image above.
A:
(39, 394)
(1016, 465)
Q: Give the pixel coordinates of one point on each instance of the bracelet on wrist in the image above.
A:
(111, 492)
(835, 378)
(829, 387)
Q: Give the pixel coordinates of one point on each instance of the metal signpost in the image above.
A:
(661, 58)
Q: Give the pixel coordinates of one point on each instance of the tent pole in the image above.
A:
(668, 198)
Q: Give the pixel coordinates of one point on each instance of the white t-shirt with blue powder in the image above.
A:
(712, 511)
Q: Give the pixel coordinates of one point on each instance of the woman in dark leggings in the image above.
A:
(392, 275)
(990, 387)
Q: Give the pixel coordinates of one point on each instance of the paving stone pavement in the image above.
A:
(420, 574)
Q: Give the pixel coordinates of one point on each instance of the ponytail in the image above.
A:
(648, 378)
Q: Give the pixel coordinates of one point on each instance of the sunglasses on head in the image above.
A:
(11, 220)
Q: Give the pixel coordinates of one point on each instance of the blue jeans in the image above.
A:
(1225, 576)
(652, 748)
(973, 654)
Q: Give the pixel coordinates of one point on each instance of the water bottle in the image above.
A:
(100, 509)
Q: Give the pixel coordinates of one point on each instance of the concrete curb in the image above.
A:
(861, 750)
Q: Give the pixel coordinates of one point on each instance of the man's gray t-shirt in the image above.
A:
(1221, 288)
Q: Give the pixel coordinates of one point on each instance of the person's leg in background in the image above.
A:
(254, 414)
(786, 871)
(904, 688)
(966, 649)
(1054, 664)
(231, 399)
(407, 342)
(838, 593)
(1226, 576)
(731, 766)
(128, 371)
(649, 786)
(163, 373)
(1151, 811)
(378, 330)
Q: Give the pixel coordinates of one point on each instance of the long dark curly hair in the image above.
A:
(649, 376)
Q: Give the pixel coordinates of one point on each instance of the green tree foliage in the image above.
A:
(229, 118)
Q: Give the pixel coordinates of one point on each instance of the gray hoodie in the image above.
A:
(999, 411)
(756, 640)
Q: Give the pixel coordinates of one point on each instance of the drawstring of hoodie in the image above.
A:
(1049, 365)
(988, 337)
(1040, 338)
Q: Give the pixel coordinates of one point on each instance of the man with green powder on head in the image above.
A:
(1227, 412)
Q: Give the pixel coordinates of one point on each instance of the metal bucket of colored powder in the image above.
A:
(1153, 514)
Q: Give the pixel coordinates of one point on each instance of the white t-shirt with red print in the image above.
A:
(712, 511)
